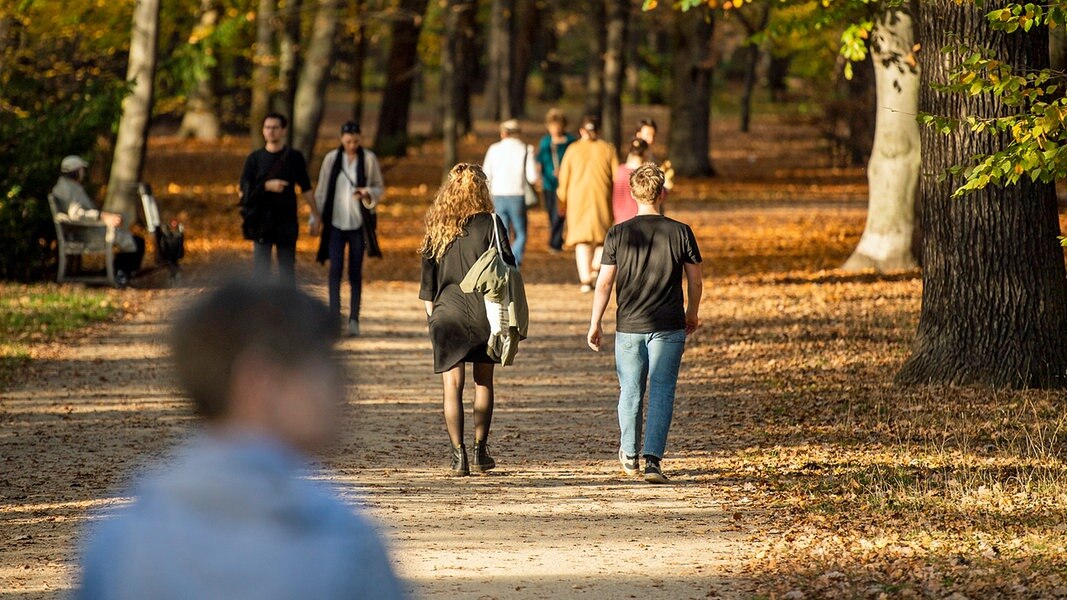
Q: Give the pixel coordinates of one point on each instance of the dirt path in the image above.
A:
(556, 518)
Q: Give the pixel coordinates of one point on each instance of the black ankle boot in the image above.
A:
(482, 461)
(460, 467)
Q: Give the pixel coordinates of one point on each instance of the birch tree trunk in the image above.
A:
(262, 60)
(618, 17)
(689, 139)
(994, 308)
(311, 91)
(893, 169)
(130, 144)
(201, 118)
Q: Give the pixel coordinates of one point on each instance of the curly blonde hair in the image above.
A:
(463, 195)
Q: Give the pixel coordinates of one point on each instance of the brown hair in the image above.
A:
(556, 116)
(638, 147)
(646, 183)
(282, 324)
(463, 195)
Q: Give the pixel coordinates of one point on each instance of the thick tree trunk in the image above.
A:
(688, 142)
(893, 169)
(525, 26)
(466, 53)
(262, 58)
(498, 81)
(594, 78)
(201, 118)
(359, 59)
(994, 308)
(288, 61)
(311, 91)
(551, 67)
(132, 140)
(450, 81)
(752, 58)
(401, 71)
(618, 17)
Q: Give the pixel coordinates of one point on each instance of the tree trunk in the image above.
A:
(450, 81)
(314, 77)
(359, 60)
(551, 67)
(466, 53)
(618, 17)
(288, 61)
(893, 169)
(525, 26)
(688, 142)
(752, 57)
(132, 139)
(401, 70)
(594, 79)
(497, 88)
(201, 118)
(994, 308)
(262, 57)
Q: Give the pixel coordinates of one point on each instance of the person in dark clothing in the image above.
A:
(350, 176)
(648, 256)
(460, 227)
(268, 201)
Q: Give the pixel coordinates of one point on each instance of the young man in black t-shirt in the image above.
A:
(648, 255)
(268, 200)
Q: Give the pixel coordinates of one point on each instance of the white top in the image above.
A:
(346, 213)
(503, 167)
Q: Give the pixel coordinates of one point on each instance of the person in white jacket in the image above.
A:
(350, 175)
(510, 165)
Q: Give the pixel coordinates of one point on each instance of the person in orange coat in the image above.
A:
(585, 181)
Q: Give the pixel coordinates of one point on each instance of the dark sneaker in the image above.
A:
(460, 467)
(482, 461)
(629, 463)
(653, 473)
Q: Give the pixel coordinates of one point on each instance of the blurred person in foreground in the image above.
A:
(233, 514)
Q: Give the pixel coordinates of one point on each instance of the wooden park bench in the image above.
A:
(77, 239)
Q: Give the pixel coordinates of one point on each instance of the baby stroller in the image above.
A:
(169, 237)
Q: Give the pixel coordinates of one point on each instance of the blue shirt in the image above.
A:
(549, 172)
(235, 518)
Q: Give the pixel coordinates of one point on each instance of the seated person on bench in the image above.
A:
(72, 200)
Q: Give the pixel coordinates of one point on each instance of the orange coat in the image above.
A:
(584, 193)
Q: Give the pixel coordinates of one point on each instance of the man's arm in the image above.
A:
(695, 284)
(604, 283)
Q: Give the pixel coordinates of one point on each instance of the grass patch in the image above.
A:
(37, 314)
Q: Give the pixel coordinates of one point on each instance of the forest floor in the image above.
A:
(800, 469)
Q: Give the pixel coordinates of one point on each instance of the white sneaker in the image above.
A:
(353, 328)
(629, 463)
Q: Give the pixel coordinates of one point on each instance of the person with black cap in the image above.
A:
(350, 186)
(73, 201)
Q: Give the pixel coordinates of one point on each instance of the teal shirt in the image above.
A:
(549, 177)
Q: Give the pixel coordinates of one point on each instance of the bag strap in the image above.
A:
(496, 234)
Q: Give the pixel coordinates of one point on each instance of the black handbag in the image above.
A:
(370, 231)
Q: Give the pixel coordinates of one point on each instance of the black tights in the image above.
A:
(483, 401)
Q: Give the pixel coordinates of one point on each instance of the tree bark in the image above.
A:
(288, 61)
(594, 79)
(314, 77)
(618, 17)
(525, 26)
(262, 59)
(466, 53)
(994, 308)
(497, 88)
(132, 139)
(451, 83)
(402, 68)
(551, 67)
(893, 169)
(752, 57)
(359, 60)
(688, 142)
(201, 118)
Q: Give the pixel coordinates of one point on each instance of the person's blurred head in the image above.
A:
(464, 194)
(509, 128)
(555, 122)
(590, 127)
(646, 184)
(73, 166)
(259, 358)
(638, 149)
(351, 137)
(646, 130)
(274, 125)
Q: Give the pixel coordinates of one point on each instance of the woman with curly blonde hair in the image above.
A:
(459, 229)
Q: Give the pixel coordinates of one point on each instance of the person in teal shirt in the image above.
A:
(549, 155)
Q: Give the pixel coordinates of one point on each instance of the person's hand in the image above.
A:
(276, 185)
(363, 194)
(594, 337)
(111, 219)
(691, 323)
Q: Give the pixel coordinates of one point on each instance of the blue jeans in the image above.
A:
(653, 358)
(261, 259)
(356, 245)
(512, 211)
